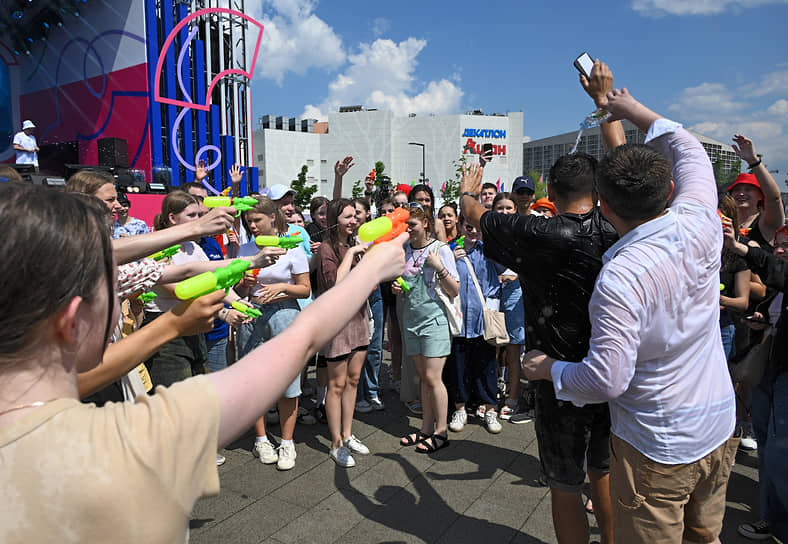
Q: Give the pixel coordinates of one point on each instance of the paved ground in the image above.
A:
(483, 488)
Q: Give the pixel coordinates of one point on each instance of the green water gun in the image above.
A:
(208, 282)
(285, 242)
(240, 203)
(253, 313)
(165, 253)
(147, 296)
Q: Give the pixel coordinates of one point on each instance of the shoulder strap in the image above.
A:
(475, 281)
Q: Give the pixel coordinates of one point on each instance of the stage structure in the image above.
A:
(142, 87)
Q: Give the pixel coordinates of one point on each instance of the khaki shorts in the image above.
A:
(656, 503)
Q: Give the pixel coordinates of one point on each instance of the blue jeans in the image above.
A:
(217, 354)
(728, 333)
(370, 372)
(770, 424)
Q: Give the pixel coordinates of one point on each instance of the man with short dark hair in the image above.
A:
(654, 354)
(557, 260)
(487, 195)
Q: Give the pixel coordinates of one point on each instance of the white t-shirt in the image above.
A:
(293, 262)
(414, 258)
(190, 252)
(28, 142)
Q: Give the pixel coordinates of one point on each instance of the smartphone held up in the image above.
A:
(584, 64)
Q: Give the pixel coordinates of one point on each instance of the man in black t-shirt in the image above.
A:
(558, 260)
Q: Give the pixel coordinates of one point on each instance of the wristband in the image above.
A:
(755, 164)
(470, 194)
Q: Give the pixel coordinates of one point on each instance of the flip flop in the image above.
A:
(413, 438)
(436, 442)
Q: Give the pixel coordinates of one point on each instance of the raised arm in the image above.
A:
(340, 169)
(250, 386)
(773, 216)
(597, 88)
(185, 319)
(132, 248)
(471, 182)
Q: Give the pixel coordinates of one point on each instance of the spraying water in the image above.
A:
(593, 119)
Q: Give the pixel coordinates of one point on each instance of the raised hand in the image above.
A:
(236, 173)
(200, 173)
(471, 181)
(744, 148)
(620, 104)
(341, 167)
(196, 316)
(600, 84)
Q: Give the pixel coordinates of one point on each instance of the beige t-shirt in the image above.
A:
(71, 472)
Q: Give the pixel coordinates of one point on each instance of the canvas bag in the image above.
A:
(451, 307)
(494, 322)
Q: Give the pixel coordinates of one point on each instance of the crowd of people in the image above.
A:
(615, 313)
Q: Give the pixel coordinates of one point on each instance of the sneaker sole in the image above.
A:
(753, 536)
(349, 465)
(496, 431)
(279, 467)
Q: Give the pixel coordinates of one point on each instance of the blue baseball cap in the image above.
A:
(523, 182)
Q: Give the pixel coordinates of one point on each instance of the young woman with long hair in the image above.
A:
(274, 291)
(160, 451)
(429, 265)
(345, 353)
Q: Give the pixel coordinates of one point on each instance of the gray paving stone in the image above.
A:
(253, 524)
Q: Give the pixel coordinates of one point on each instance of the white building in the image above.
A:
(540, 155)
(372, 135)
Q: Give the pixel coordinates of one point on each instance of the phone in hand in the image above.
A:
(584, 64)
(486, 155)
(754, 319)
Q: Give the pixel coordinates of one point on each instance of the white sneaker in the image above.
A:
(266, 452)
(220, 459)
(287, 456)
(458, 420)
(748, 443)
(342, 457)
(363, 407)
(377, 404)
(355, 445)
(491, 422)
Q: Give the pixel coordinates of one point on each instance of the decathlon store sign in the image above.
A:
(475, 148)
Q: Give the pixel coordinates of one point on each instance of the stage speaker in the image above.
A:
(113, 152)
(25, 170)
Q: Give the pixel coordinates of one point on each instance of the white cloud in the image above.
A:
(658, 8)
(779, 108)
(294, 39)
(380, 75)
(716, 111)
(380, 26)
(772, 83)
(704, 100)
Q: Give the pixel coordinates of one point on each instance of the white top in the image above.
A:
(188, 253)
(28, 142)
(292, 262)
(655, 352)
(414, 258)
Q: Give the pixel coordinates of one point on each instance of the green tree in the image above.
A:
(304, 193)
(541, 186)
(723, 176)
(450, 189)
(358, 189)
(379, 168)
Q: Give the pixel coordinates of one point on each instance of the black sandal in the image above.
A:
(436, 442)
(413, 438)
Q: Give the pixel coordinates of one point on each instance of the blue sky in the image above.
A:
(718, 66)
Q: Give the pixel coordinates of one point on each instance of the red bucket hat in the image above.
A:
(746, 179)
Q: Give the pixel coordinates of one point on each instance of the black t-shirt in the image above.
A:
(732, 264)
(315, 232)
(557, 260)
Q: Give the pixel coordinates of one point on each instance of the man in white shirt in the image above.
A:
(655, 354)
(25, 145)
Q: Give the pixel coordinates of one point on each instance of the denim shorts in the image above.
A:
(570, 438)
(513, 311)
(276, 318)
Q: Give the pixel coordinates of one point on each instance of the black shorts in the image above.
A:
(344, 356)
(570, 438)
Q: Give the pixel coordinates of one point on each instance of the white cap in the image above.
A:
(279, 191)
(28, 124)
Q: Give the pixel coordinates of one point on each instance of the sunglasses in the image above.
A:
(524, 191)
(415, 205)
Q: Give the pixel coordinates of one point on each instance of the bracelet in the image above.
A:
(755, 164)
(470, 194)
